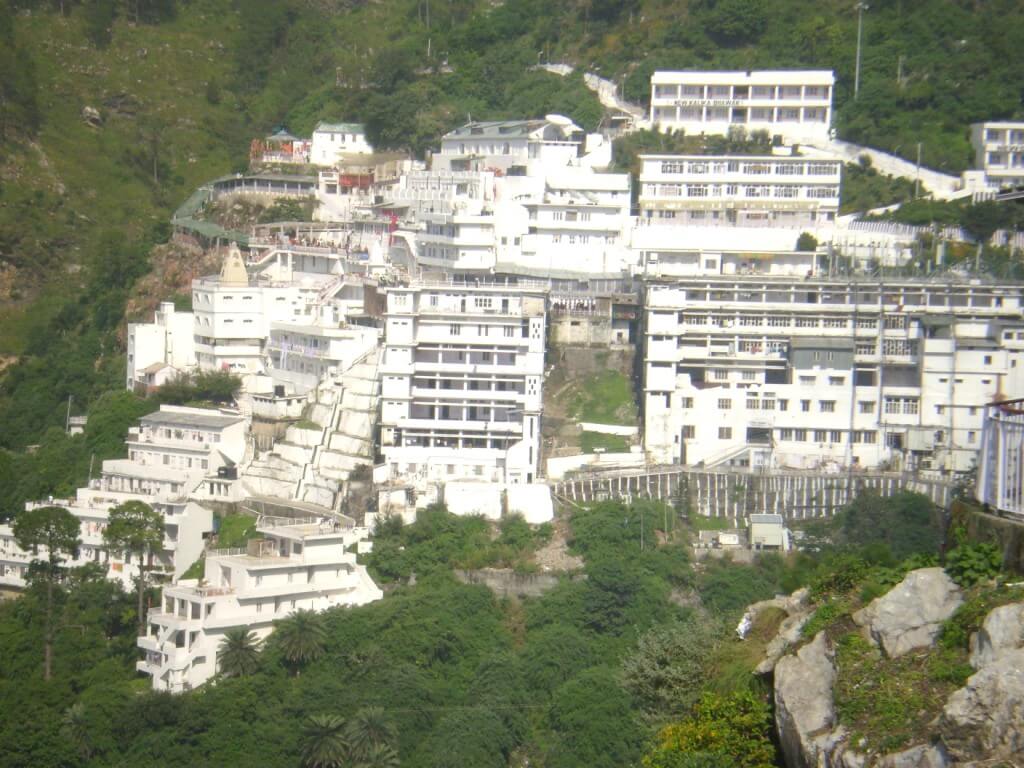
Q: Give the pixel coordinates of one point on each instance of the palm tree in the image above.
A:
(378, 756)
(323, 742)
(239, 653)
(76, 730)
(368, 730)
(301, 638)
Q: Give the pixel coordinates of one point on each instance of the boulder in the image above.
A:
(1002, 631)
(787, 636)
(910, 615)
(985, 718)
(92, 116)
(921, 756)
(804, 712)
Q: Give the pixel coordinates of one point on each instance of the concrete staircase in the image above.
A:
(315, 464)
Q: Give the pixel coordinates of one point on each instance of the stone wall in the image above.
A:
(982, 526)
(504, 582)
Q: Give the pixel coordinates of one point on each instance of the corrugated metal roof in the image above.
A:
(324, 127)
(211, 420)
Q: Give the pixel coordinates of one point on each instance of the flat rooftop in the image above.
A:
(755, 77)
(196, 418)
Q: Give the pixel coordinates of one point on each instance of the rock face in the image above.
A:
(921, 756)
(986, 716)
(909, 616)
(1003, 631)
(804, 712)
(787, 636)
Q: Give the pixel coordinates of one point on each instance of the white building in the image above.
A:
(332, 140)
(462, 382)
(297, 564)
(998, 153)
(666, 250)
(306, 353)
(158, 350)
(768, 531)
(177, 458)
(766, 372)
(1000, 482)
(743, 190)
(795, 106)
(531, 147)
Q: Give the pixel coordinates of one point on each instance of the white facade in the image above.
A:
(534, 146)
(818, 373)
(666, 250)
(739, 190)
(306, 353)
(999, 152)
(793, 105)
(331, 140)
(176, 460)
(295, 565)
(462, 382)
(167, 340)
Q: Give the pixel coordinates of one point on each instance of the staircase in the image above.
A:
(315, 464)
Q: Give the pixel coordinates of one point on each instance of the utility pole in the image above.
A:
(860, 8)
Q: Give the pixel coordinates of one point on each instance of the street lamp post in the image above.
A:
(860, 7)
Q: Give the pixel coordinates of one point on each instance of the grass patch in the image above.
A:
(235, 530)
(887, 703)
(307, 424)
(733, 661)
(610, 443)
(196, 570)
(825, 616)
(604, 398)
(705, 523)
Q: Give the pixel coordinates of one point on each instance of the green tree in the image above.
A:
(323, 742)
(667, 670)
(76, 730)
(806, 242)
(378, 756)
(301, 638)
(367, 730)
(135, 529)
(238, 654)
(55, 530)
(733, 730)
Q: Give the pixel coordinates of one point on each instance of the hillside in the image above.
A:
(179, 89)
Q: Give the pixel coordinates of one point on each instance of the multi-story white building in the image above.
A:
(332, 140)
(307, 353)
(743, 190)
(296, 564)
(772, 372)
(795, 106)
(166, 342)
(462, 382)
(999, 152)
(177, 458)
(533, 147)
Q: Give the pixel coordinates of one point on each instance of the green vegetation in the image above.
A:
(604, 398)
(863, 188)
(205, 388)
(705, 523)
(235, 530)
(883, 701)
(609, 443)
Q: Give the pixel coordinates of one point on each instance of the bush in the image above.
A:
(971, 563)
(806, 242)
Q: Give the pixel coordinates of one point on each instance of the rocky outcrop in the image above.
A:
(910, 615)
(804, 712)
(1002, 632)
(985, 718)
(921, 756)
(789, 634)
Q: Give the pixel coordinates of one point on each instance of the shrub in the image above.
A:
(971, 563)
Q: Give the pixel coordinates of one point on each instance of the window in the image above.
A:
(725, 433)
(453, 329)
(820, 436)
(827, 406)
(752, 402)
(783, 404)
(988, 360)
(972, 437)
(721, 374)
(866, 406)
(689, 431)
(836, 381)
(835, 436)
(724, 404)
(687, 402)
(800, 435)
(749, 375)
(805, 405)
(785, 434)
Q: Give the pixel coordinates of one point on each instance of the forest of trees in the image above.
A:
(639, 657)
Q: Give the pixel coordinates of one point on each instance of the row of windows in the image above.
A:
(700, 91)
(835, 436)
(752, 169)
(738, 116)
(789, 191)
